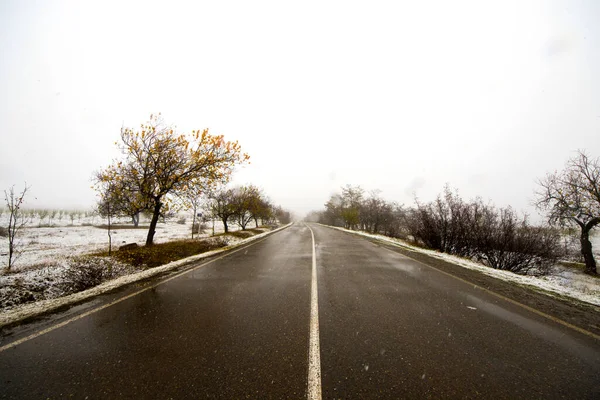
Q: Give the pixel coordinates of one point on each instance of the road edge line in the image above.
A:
(498, 295)
(23, 312)
(112, 303)
(314, 347)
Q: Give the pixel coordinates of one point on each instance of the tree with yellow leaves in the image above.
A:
(159, 164)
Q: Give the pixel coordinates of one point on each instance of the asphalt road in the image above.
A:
(238, 327)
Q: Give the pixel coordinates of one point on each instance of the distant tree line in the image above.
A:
(242, 205)
(498, 237)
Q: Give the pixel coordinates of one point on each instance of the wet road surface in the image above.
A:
(238, 327)
(391, 327)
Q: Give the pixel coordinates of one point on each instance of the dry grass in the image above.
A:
(163, 253)
(576, 265)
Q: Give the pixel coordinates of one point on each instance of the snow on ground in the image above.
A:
(43, 275)
(46, 245)
(595, 239)
(563, 281)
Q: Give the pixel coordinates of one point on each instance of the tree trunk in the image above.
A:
(194, 223)
(155, 215)
(225, 225)
(12, 226)
(135, 218)
(109, 234)
(586, 251)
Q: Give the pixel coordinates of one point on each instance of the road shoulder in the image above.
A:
(32, 311)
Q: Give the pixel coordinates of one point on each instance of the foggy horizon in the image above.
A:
(402, 98)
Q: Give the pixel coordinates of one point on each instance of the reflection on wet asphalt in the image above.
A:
(235, 328)
(238, 328)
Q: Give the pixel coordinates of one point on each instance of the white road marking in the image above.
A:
(314, 349)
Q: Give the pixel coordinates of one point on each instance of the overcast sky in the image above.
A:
(390, 95)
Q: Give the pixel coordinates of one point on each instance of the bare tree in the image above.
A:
(42, 216)
(72, 215)
(221, 205)
(192, 199)
(352, 198)
(262, 209)
(248, 204)
(124, 201)
(333, 211)
(106, 208)
(572, 196)
(282, 215)
(16, 219)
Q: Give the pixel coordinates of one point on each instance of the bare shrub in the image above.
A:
(81, 277)
(497, 237)
(58, 278)
(181, 221)
(87, 271)
(507, 242)
(36, 283)
(16, 220)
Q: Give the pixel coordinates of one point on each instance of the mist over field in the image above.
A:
(401, 97)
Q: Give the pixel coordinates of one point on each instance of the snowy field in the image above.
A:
(48, 270)
(38, 246)
(33, 290)
(563, 281)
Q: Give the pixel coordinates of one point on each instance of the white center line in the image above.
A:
(314, 351)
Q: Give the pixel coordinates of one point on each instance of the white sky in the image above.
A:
(397, 96)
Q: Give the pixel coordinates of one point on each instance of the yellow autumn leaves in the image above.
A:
(158, 163)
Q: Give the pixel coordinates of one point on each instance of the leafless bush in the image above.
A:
(497, 237)
(181, 221)
(40, 284)
(86, 272)
(16, 220)
(60, 278)
(507, 242)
